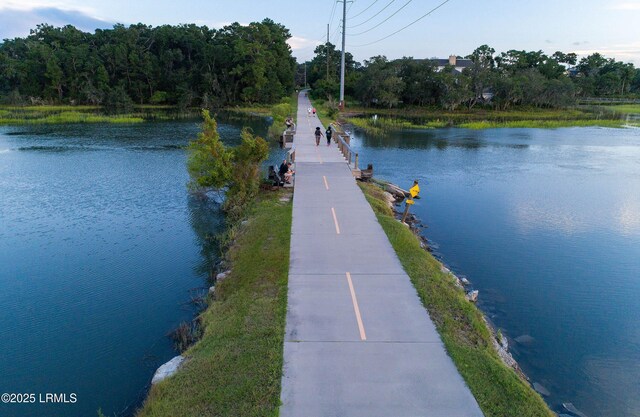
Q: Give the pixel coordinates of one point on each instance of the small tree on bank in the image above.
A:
(214, 167)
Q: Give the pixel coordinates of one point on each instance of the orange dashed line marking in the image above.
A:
(354, 299)
(335, 220)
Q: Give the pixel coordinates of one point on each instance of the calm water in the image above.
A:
(101, 250)
(546, 224)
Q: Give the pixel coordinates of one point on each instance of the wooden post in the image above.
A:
(356, 165)
(406, 212)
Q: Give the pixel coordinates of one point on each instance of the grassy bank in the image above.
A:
(500, 392)
(235, 369)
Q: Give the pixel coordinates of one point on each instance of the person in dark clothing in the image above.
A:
(328, 134)
(284, 168)
(318, 134)
(285, 171)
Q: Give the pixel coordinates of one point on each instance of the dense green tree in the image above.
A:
(455, 88)
(420, 84)
(481, 73)
(323, 72)
(635, 82)
(382, 84)
(186, 64)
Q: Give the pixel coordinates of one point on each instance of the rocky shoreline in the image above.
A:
(394, 196)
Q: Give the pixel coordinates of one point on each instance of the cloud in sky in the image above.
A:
(18, 22)
(622, 52)
(298, 42)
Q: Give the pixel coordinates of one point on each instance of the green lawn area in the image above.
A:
(500, 392)
(236, 368)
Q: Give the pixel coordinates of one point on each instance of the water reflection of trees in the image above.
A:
(206, 221)
(426, 139)
(440, 139)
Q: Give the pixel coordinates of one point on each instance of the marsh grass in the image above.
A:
(38, 115)
(543, 124)
(383, 125)
(500, 392)
(625, 108)
(236, 367)
(482, 118)
(69, 117)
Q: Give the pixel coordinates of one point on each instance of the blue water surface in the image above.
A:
(546, 224)
(101, 251)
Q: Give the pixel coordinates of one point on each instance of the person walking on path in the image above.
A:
(329, 133)
(318, 134)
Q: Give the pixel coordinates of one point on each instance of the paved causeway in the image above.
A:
(358, 340)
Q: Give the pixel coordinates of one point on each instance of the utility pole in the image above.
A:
(344, 33)
(305, 74)
(326, 51)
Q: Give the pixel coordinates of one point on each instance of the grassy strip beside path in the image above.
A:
(497, 388)
(236, 368)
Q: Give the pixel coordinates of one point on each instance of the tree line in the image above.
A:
(512, 78)
(182, 65)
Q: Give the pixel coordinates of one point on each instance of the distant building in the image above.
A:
(457, 63)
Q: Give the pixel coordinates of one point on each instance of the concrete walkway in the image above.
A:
(358, 340)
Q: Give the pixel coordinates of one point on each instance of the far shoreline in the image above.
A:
(374, 121)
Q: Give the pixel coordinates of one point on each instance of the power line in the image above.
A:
(335, 34)
(403, 28)
(371, 18)
(333, 11)
(370, 29)
(353, 17)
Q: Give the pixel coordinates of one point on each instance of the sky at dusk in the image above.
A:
(458, 27)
